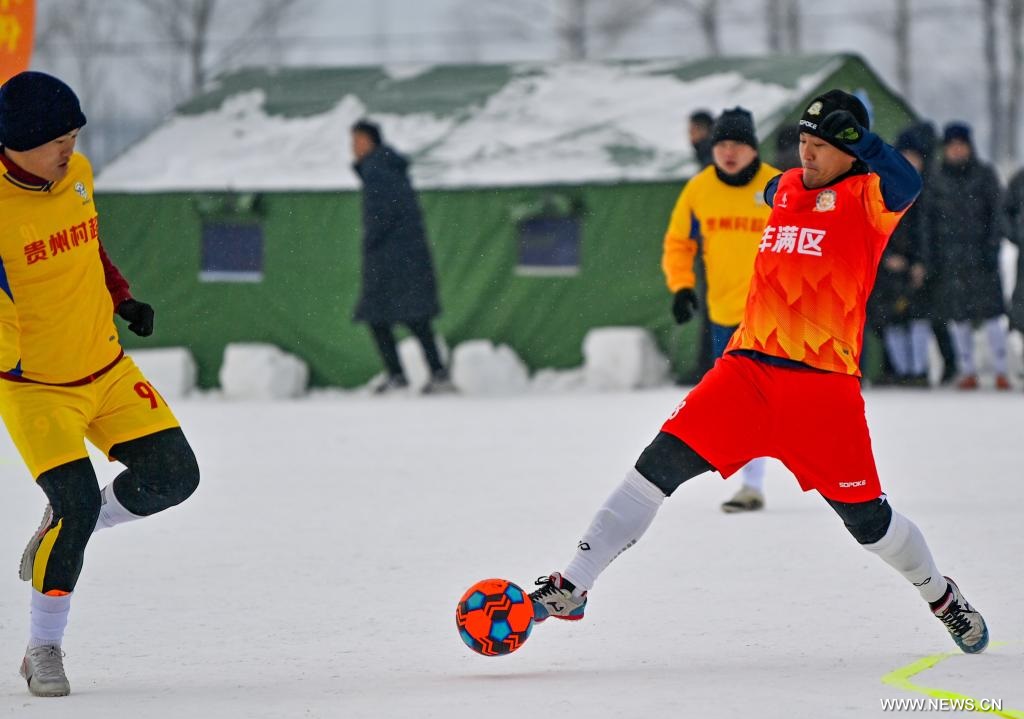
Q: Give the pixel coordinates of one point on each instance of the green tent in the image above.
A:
(546, 191)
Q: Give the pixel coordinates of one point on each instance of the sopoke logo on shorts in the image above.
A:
(815, 108)
(83, 193)
(826, 201)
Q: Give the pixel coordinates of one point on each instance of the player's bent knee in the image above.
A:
(73, 492)
(162, 471)
(867, 521)
(668, 462)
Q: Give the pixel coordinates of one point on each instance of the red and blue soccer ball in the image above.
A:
(494, 617)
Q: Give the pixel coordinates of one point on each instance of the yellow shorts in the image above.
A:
(49, 424)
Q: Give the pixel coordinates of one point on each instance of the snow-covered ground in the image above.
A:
(316, 570)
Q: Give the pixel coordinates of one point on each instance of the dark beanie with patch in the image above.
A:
(820, 107)
(36, 108)
(737, 125)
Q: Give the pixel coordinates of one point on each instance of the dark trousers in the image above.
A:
(945, 342)
(384, 336)
(162, 472)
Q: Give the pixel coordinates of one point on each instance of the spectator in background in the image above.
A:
(701, 123)
(398, 274)
(898, 301)
(925, 141)
(1014, 213)
(964, 222)
(724, 205)
(787, 148)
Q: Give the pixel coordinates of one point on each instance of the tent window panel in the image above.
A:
(232, 252)
(549, 246)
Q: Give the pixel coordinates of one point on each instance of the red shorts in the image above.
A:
(813, 422)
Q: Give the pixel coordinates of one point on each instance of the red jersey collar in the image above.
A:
(22, 178)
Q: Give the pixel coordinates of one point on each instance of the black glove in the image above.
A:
(138, 315)
(841, 125)
(684, 304)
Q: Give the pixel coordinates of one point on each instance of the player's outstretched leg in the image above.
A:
(901, 545)
(618, 525)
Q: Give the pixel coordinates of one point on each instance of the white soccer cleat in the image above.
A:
(745, 500)
(28, 557)
(964, 622)
(43, 669)
(558, 598)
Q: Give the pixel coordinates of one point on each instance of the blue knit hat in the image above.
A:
(36, 108)
(956, 131)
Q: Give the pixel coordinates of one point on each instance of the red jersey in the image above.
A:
(815, 268)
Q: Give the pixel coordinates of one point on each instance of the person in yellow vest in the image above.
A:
(64, 377)
(723, 207)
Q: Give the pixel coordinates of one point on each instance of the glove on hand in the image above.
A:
(138, 315)
(684, 304)
(842, 126)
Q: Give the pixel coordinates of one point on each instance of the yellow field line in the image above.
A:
(900, 679)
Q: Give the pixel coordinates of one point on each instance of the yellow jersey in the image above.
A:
(729, 221)
(56, 305)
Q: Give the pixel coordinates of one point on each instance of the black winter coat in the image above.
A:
(895, 298)
(398, 274)
(964, 226)
(1014, 207)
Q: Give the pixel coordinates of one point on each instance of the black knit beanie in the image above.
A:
(36, 108)
(820, 107)
(736, 124)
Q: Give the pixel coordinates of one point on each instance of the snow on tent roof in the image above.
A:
(462, 126)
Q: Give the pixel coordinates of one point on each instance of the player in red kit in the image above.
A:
(789, 375)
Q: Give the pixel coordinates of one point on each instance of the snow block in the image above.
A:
(478, 367)
(549, 381)
(410, 354)
(172, 370)
(622, 358)
(261, 371)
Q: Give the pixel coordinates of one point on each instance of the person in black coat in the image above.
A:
(898, 302)
(398, 283)
(1014, 209)
(965, 225)
(701, 123)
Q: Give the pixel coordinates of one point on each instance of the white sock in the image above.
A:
(997, 341)
(616, 527)
(753, 474)
(963, 341)
(920, 335)
(112, 512)
(49, 619)
(903, 548)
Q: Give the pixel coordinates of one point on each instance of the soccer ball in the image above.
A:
(494, 617)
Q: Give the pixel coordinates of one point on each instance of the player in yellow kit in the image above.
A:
(64, 377)
(724, 207)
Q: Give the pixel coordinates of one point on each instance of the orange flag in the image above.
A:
(17, 33)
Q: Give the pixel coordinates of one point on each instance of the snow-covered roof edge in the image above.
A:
(537, 125)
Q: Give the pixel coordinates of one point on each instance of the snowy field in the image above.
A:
(316, 570)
